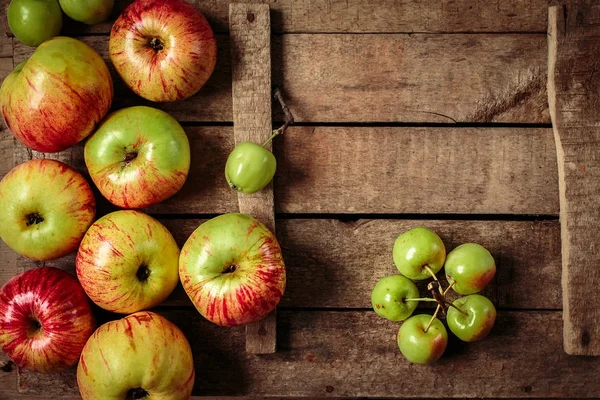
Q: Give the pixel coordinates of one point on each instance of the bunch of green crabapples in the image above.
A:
(420, 254)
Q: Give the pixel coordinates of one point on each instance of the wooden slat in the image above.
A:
(574, 78)
(354, 354)
(333, 264)
(382, 78)
(292, 16)
(378, 170)
(250, 38)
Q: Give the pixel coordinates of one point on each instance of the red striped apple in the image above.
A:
(139, 156)
(55, 98)
(232, 269)
(45, 319)
(45, 209)
(164, 50)
(141, 356)
(127, 262)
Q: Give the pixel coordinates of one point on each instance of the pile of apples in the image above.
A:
(127, 262)
(419, 254)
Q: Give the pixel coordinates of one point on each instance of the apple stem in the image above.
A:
(432, 318)
(456, 308)
(449, 287)
(422, 299)
(433, 275)
(288, 117)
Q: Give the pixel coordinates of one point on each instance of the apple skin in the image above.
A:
(34, 21)
(387, 298)
(45, 209)
(54, 99)
(164, 50)
(418, 346)
(138, 156)
(417, 248)
(471, 266)
(127, 262)
(140, 352)
(232, 269)
(479, 321)
(89, 12)
(250, 167)
(45, 319)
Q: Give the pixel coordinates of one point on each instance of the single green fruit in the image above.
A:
(475, 319)
(471, 267)
(250, 167)
(388, 297)
(87, 11)
(422, 347)
(34, 21)
(416, 251)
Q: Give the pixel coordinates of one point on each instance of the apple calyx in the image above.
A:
(143, 273)
(136, 394)
(34, 218)
(34, 326)
(230, 269)
(156, 44)
(129, 157)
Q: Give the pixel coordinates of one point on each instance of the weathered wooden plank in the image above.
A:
(354, 354)
(250, 38)
(382, 78)
(334, 264)
(378, 170)
(574, 97)
(317, 16)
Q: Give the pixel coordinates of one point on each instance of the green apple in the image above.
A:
(141, 356)
(34, 21)
(250, 167)
(420, 346)
(389, 297)
(138, 156)
(471, 267)
(472, 319)
(87, 11)
(417, 252)
(127, 262)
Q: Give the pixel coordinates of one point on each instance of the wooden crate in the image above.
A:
(409, 113)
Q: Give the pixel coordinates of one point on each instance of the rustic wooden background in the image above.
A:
(408, 113)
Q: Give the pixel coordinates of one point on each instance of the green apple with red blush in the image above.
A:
(469, 268)
(422, 339)
(471, 318)
(395, 297)
(138, 156)
(34, 21)
(419, 253)
(250, 167)
(89, 12)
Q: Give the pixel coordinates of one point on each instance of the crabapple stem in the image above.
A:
(422, 299)
(431, 272)
(449, 287)
(289, 118)
(456, 308)
(432, 318)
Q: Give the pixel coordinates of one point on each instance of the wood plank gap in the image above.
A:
(250, 36)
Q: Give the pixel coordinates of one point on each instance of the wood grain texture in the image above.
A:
(250, 38)
(574, 97)
(381, 78)
(375, 170)
(360, 16)
(334, 264)
(354, 354)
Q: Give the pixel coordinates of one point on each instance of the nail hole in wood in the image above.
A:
(250, 17)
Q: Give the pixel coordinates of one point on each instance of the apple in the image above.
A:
(164, 50)
(45, 209)
(232, 269)
(127, 262)
(34, 21)
(389, 297)
(250, 167)
(55, 98)
(421, 346)
(139, 156)
(419, 253)
(89, 12)
(45, 319)
(141, 356)
(471, 267)
(472, 317)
